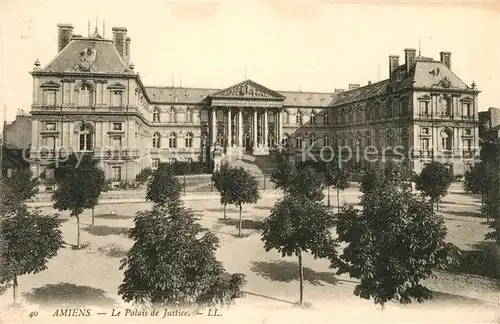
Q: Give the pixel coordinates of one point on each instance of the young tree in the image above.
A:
(244, 189)
(337, 177)
(79, 185)
(283, 174)
(144, 175)
(222, 183)
(164, 189)
(308, 183)
(393, 243)
(30, 240)
(299, 225)
(388, 175)
(434, 181)
(483, 179)
(18, 188)
(170, 263)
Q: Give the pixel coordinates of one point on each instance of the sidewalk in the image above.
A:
(189, 196)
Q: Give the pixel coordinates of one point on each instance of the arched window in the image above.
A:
(312, 139)
(285, 139)
(298, 118)
(298, 141)
(172, 140)
(189, 140)
(85, 95)
(447, 139)
(156, 115)
(156, 140)
(326, 118)
(327, 141)
(313, 118)
(85, 138)
(285, 117)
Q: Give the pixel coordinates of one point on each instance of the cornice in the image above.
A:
(84, 74)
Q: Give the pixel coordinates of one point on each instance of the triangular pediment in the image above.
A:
(246, 90)
(50, 84)
(117, 86)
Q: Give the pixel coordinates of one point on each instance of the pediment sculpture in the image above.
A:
(244, 90)
(443, 83)
(87, 60)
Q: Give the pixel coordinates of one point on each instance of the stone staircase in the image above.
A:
(257, 165)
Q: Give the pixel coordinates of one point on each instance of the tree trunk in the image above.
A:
(78, 231)
(301, 278)
(225, 215)
(239, 225)
(14, 290)
(284, 192)
(437, 204)
(328, 191)
(92, 216)
(338, 199)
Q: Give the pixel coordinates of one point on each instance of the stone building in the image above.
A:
(89, 99)
(489, 124)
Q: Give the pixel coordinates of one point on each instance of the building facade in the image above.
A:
(90, 100)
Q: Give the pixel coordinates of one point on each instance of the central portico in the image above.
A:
(246, 117)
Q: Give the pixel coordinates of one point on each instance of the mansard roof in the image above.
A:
(88, 55)
(425, 73)
(170, 95)
(361, 93)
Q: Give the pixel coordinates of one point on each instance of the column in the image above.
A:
(280, 126)
(255, 127)
(229, 128)
(266, 130)
(214, 127)
(240, 126)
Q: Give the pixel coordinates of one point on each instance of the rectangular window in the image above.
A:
(49, 142)
(204, 116)
(116, 173)
(189, 116)
(466, 109)
(50, 98)
(116, 142)
(467, 144)
(154, 163)
(117, 126)
(424, 107)
(425, 131)
(313, 119)
(425, 143)
(116, 98)
(50, 127)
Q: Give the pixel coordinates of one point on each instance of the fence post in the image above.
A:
(264, 181)
(211, 185)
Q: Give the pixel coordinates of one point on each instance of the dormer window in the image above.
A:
(313, 118)
(156, 115)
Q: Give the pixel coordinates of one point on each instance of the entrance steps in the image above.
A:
(258, 165)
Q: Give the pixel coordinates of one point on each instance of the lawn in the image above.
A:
(89, 277)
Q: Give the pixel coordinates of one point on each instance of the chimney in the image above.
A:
(339, 90)
(127, 50)
(393, 63)
(353, 86)
(120, 40)
(410, 54)
(64, 34)
(369, 82)
(446, 58)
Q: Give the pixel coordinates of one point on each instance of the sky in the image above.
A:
(285, 45)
